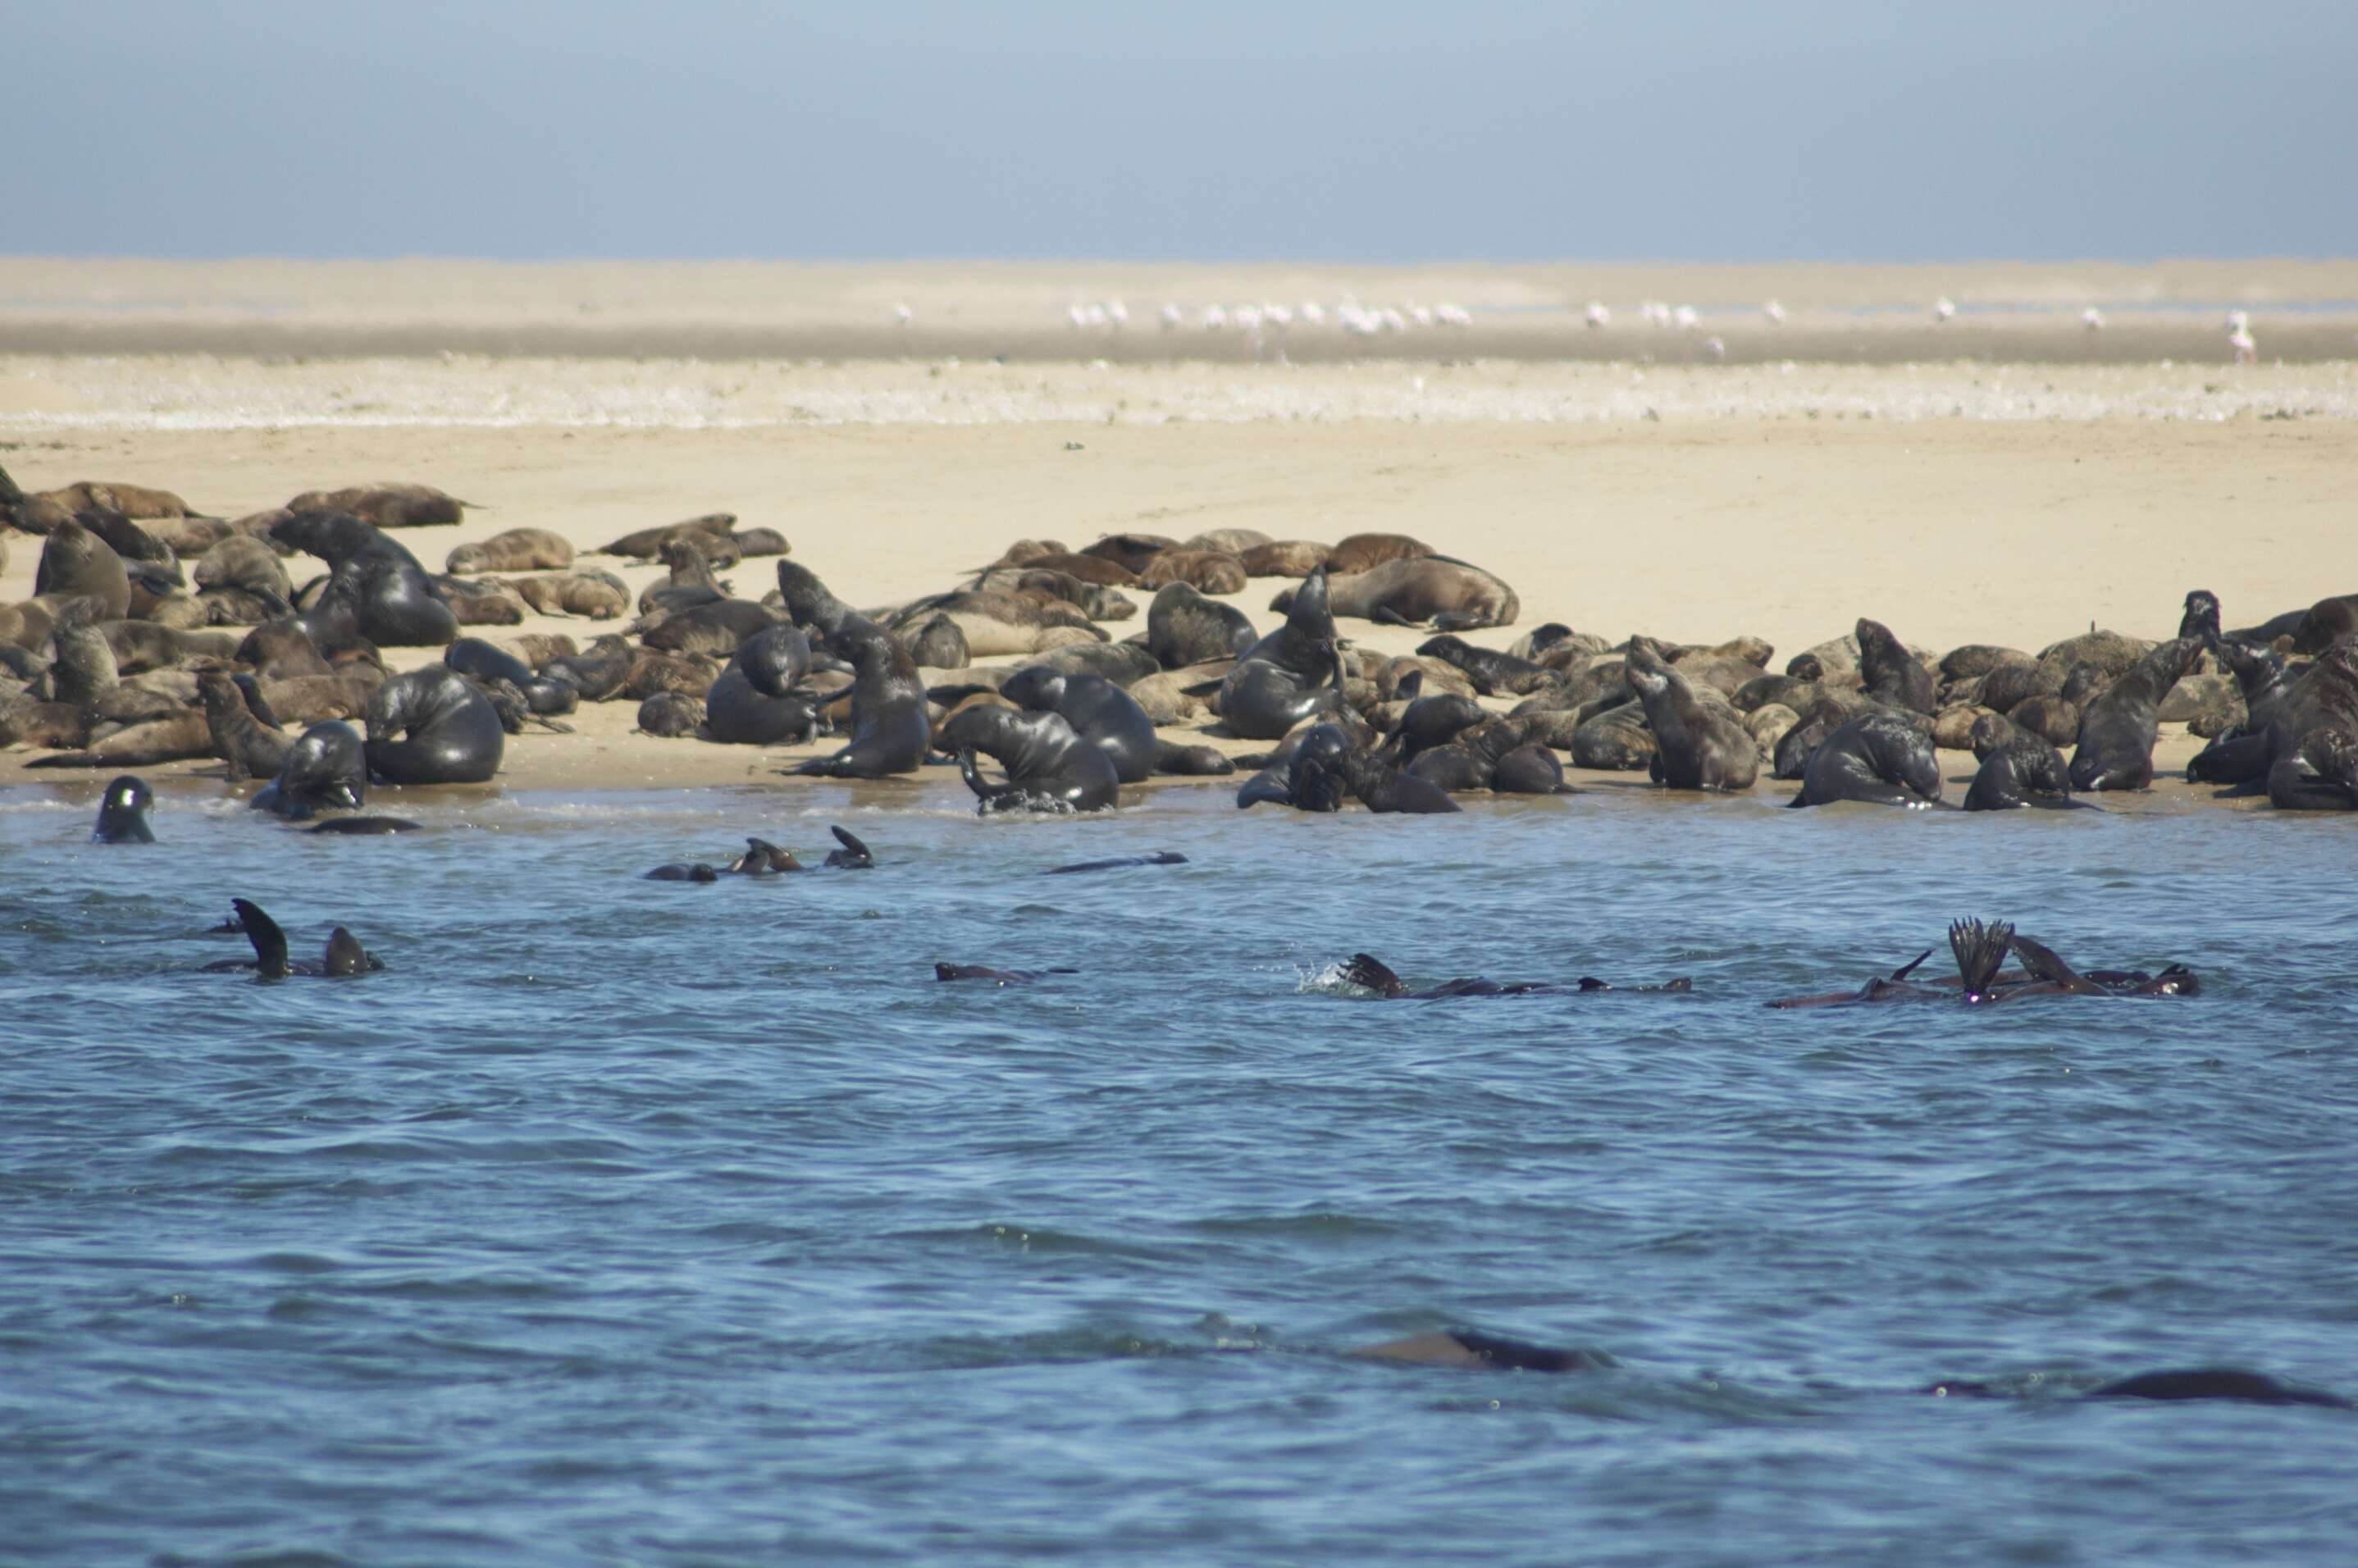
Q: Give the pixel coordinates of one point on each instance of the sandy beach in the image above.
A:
(1956, 501)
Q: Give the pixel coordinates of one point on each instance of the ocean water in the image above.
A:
(639, 1222)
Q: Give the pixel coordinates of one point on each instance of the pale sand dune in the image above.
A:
(1707, 523)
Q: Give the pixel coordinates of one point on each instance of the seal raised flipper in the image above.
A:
(2045, 965)
(1981, 950)
(854, 855)
(269, 942)
(1370, 973)
(123, 813)
(764, 859)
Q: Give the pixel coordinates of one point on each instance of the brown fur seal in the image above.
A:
(1131, 551)
(1365, 552)
(390, 504)
(2118, 726)
(1450, 594)
(1287, 557)
(516, 550)
(242, 583)
(601, 596)
(1088, 569)
(1208, 571)
(647, 544)
(75, 562)
(1698, 745)
(239, 739)
(1228, 541)
(130, 500)
(1891, 671)
(670, 714)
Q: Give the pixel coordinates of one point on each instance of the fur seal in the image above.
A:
(2022, 771)
(251, 749)
(364, 826)
(1287, 557)
(2216, 1383)
(1492, 672)
(1450, 594)
(516, 550)
(596, 672)
(430, 726)
(753, 703)
(1697, 746)
(488, 662)
(1487, 1352)
(890, 727)
(1209, 571)
(1159, 858)
(326, 767)
(1882, 760)
(598, 595)
(1289, 675)
(1185, 628)
(935, 644)
(1051, 767)
(76, 562)
(684, 871)
(716, 629)
(1891, 671)
(394, 603)
(1364, 552)
(854, 856)
(1327, 765)
(1099, 711)
(1131, 552)
(945, 972)
(671, 715)
(344, 957)
(764, 859)
(390, 504)
(1370, 973)
(2118, 726)
(123, 813)
(646, 545)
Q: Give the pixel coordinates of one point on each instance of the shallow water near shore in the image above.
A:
(622, 1221)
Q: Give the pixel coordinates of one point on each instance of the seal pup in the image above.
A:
(123, 813)
(1878, 760)
(891, 728)
(1292, 674)
(1159, 858)
(1051, 767)
(344, 956)
(1696, 746)
(515, 550)
(1370, 973)
(431, 726)
(2023, 771)
(2117, 727)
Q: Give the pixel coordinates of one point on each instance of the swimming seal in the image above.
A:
(2118, 726)
(1488, 1352)
(1101, 712)
(853, 857)
(326, 767)
(890, 725)
(999, 976)
(1697, 746)
(1370, 973)
(344, 957)
(2216, 1383)
(1051, 767)
(1880, 759)
(1159, 858)
(684, 871)
(430, 726)
(764, 859)
(1289, 675)
(123, 813)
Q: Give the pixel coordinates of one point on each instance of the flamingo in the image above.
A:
(1172, 317)
(2092, 319)
(1775, 312)
(1685, 317)
(2248, 352)
(1717, 349)
(1215, 319)
(1453, 316)
(1599, 316)
(1943, 309)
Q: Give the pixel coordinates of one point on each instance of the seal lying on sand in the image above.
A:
(1450, 594)
(344, 955)
(1372, 974)
(123, 813)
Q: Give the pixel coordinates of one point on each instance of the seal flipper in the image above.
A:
(1370, 973)
(853, 857)
(1907, 969)
(347, 957)
(2044, 964)
(269, 942)
(1979, 950)
(762, 858)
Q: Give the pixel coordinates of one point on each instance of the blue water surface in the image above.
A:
(646, 1222)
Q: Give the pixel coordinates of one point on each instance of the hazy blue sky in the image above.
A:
(1219, 130)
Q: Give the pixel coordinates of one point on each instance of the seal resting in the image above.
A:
(76, 562)
(890, 725)
(344, 957)
(1051, 767)
(1697, 746)
(1879, 760)
(516, 550)
(1292, 674)
(387, 504)
(1185, 628)
(1889, 672)
(431, 727)
(123, 813)
(1451, 594)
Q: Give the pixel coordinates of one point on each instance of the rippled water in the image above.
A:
(633, 1221)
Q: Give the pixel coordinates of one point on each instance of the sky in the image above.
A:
(1219, 131)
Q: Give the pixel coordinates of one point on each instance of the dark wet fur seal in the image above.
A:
(684, 871)
(998, 977)
(431, 726)
(2216, 1383)
(488, 662)
(671, 715)
(123, 813)
(2023, 771)
(1101, 712)
(1697, 746)
(1492, 672)
(1889, 672)
(764, 859)
(326, 768)
(1488, 1352)
(392, 599)
(344, 956)
(1185, 628)
(2118, 726)
(1882, 760)
(1191, 761)
(753, 702)
(1159, 858)
(1289, 675)
(890, 728)
(1370, 973)
(365, 826)
(1051, 767)
(1981, 949)
(1328, 765)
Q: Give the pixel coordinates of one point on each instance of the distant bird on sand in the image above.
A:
(2248, 352)
(1599, 316)
(1943, 309)
(1774, 311)
(2092, 319)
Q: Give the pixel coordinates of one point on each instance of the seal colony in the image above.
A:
(111, 663)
